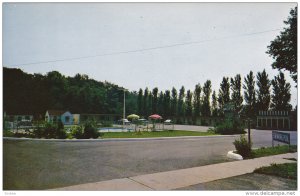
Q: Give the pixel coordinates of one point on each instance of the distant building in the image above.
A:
(279, 120)
(18, 117)
(59, 115)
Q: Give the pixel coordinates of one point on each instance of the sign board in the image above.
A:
(280, 137)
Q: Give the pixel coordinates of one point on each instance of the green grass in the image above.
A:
(169, 133)
(273, 151)
(286, 170)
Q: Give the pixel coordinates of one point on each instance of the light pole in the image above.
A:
(124, 114)
(124, 109)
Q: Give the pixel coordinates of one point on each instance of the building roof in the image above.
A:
(56, 112)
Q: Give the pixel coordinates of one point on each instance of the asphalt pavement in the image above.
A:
(53, 164)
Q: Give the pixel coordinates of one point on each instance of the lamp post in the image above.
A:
(124, 109)
(124, 101)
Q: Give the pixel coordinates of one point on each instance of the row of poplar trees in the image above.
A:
(202, 101)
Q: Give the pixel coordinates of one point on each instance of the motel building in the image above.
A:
(276, 120)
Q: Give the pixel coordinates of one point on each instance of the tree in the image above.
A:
(167, 101)
(197, 100)
(188, 102)
(283, 48)
(181, 97)
(145, 102)
(214, 104)
(224, 94)
(154, 100)
(140, 102)
(263, 91)
(174, 102)
(160, 103)
(206, 110)
(249, 94)
(281, 94)
(236, 95)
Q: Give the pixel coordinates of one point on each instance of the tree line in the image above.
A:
(35, 93)
(202, 101)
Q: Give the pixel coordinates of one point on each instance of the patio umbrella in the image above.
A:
(155, 116)
(133, 117)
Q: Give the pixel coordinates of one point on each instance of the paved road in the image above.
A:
(49, 164)
(58, 164)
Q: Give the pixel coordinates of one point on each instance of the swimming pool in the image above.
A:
(115, 129)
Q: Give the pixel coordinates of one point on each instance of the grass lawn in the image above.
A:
(261, 152)
(286, 170)
(169, 133)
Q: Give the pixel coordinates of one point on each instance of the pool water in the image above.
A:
(115, 129)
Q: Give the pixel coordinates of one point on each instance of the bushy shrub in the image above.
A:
(230, 127)
(243, 147)
(50, 130)
(90, 130)
(77, 132)
(7, 133)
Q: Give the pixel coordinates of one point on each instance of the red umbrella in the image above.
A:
(155, 116)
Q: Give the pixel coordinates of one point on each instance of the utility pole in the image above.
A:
(249, 131)
(124, 110)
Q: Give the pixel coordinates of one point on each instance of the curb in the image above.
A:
(115, 139)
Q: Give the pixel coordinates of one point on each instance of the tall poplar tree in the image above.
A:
(206, 110)
(281, 94)
(263, 91)
(224, 94)
(249, 94)
(174, 102)
(154, 100)
(181, 107)
(197, 100)
(188, 102)
(236, 95)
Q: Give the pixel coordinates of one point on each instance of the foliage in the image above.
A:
(283, 48)
(154, 100)
(140, 102)
(181, 104)
(188, 102)
(214, 104)
(7, 133)
(90, 130)
(249, 94)
(281, 93)
(50, 130)
(285, 170)
(261, 152)
(77, 132)
(236, 96)
(224, 94)
(197, 100)
(243, 147)
(34, 94)
(229, 127)
(167, 104)
(263, 91)
(174, 102)
(205, 109)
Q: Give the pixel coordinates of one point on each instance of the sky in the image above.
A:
(138, 45)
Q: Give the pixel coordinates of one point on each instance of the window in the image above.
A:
(67, 119)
